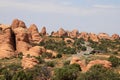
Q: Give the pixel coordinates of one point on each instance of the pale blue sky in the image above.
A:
(84, 15)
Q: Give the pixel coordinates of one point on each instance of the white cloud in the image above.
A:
(106, 6)
(52, 7)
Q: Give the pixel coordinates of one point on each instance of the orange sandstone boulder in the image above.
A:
(93, 37)
(103, 36)
(6, 42)
(115, 36)
(43, 31)
(28, 63)
(34, 35)
(83, 35)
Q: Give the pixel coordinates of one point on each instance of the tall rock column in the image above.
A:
(6, 42)
(21, 35)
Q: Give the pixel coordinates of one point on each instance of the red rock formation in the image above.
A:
(28, 63)
(74, 33)
(83, 35)
(22, 39)
(68, 39)
(62, 32)
(115, 36)
(85, 67)
(43, 31)
(105, 63)
(93, 37)
(103, 36)
(6, 42)
(34, 35)
(35, 51)
(17, 23)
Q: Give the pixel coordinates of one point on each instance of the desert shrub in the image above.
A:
(66, 73)
(67, 50)
(40, 59)
(114, 60)
(47, 55)
(115, 52)
(50, 63)
(38, 73)
(20, 55)
(83, 48)
(66, 63)
(98, 72)
(59, 55)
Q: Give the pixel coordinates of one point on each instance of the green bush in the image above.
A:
(98, 72)
(66, 63)
(50, 64)
(114, 60)
(20, 55)
(83, 48)
(40, 59)
(47, 55)
(69, 72)
(59, 55)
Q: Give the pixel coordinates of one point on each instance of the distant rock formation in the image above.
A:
(103, 36)
(85, 67)
(43, 31)
(84, 35)
(74, 33)
(93, 37)
(115, 36)
(16, 38)
(34, 34)
(17, 23)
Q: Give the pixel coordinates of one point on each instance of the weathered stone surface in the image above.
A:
(115, 36)
(43, 31)
(103, 36)
(62, 32)
(6, 42)
(74, 33)
(22, 39)
(68, 40)
(17, 23)
(28, 63)
(76, 60)
(85, 67)
(34, 35)
(105, 63)
(54, 54)
(35, 51)
(93, 37)
(83, 35)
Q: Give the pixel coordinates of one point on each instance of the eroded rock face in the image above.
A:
(17, 23)
(103, 36)
(74, 33)
(84, 35)
(22, 39)
(93, 37)
(34, 35)
(35, 51)
(54, 54)
(68, 40)
(115, 36)
(6, 42)
(76, 60)
(43, 31)
(62, 32)
(105, 63)
(85, 67)
(28, 63)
